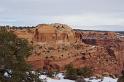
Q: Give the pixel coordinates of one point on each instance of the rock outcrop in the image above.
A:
(56, 45)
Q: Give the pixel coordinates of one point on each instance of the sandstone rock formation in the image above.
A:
(56, 45)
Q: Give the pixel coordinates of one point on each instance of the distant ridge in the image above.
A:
(90, 30)
(121, 32)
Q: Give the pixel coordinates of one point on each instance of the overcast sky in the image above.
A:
(77, 13)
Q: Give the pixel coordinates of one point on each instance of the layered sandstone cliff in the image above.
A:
(56, 45)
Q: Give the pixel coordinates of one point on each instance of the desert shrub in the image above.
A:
(121, 78)
(73, 73)
(53, 73)
(85, 72)
(80, 79)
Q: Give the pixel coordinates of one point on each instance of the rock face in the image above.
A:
(48, 33)
(56, 45)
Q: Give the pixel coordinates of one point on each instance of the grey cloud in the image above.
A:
(32, 12)
(61, 7)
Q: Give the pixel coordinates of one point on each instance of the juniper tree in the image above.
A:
(13, 54)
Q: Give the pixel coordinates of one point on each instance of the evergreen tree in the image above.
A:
(13, 54)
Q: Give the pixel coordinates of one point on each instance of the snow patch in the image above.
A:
(61, 76)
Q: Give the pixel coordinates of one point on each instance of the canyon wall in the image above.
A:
(57, 45)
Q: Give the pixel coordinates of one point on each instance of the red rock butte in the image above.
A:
(57, 45)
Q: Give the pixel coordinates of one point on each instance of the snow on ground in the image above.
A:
(108, 79)
(105, 79)
(61, 80)
(60, 75)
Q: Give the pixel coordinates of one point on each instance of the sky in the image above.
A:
(80, 14)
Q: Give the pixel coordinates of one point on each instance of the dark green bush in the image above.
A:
(85, 72)
(73, 73)
(121, 78)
